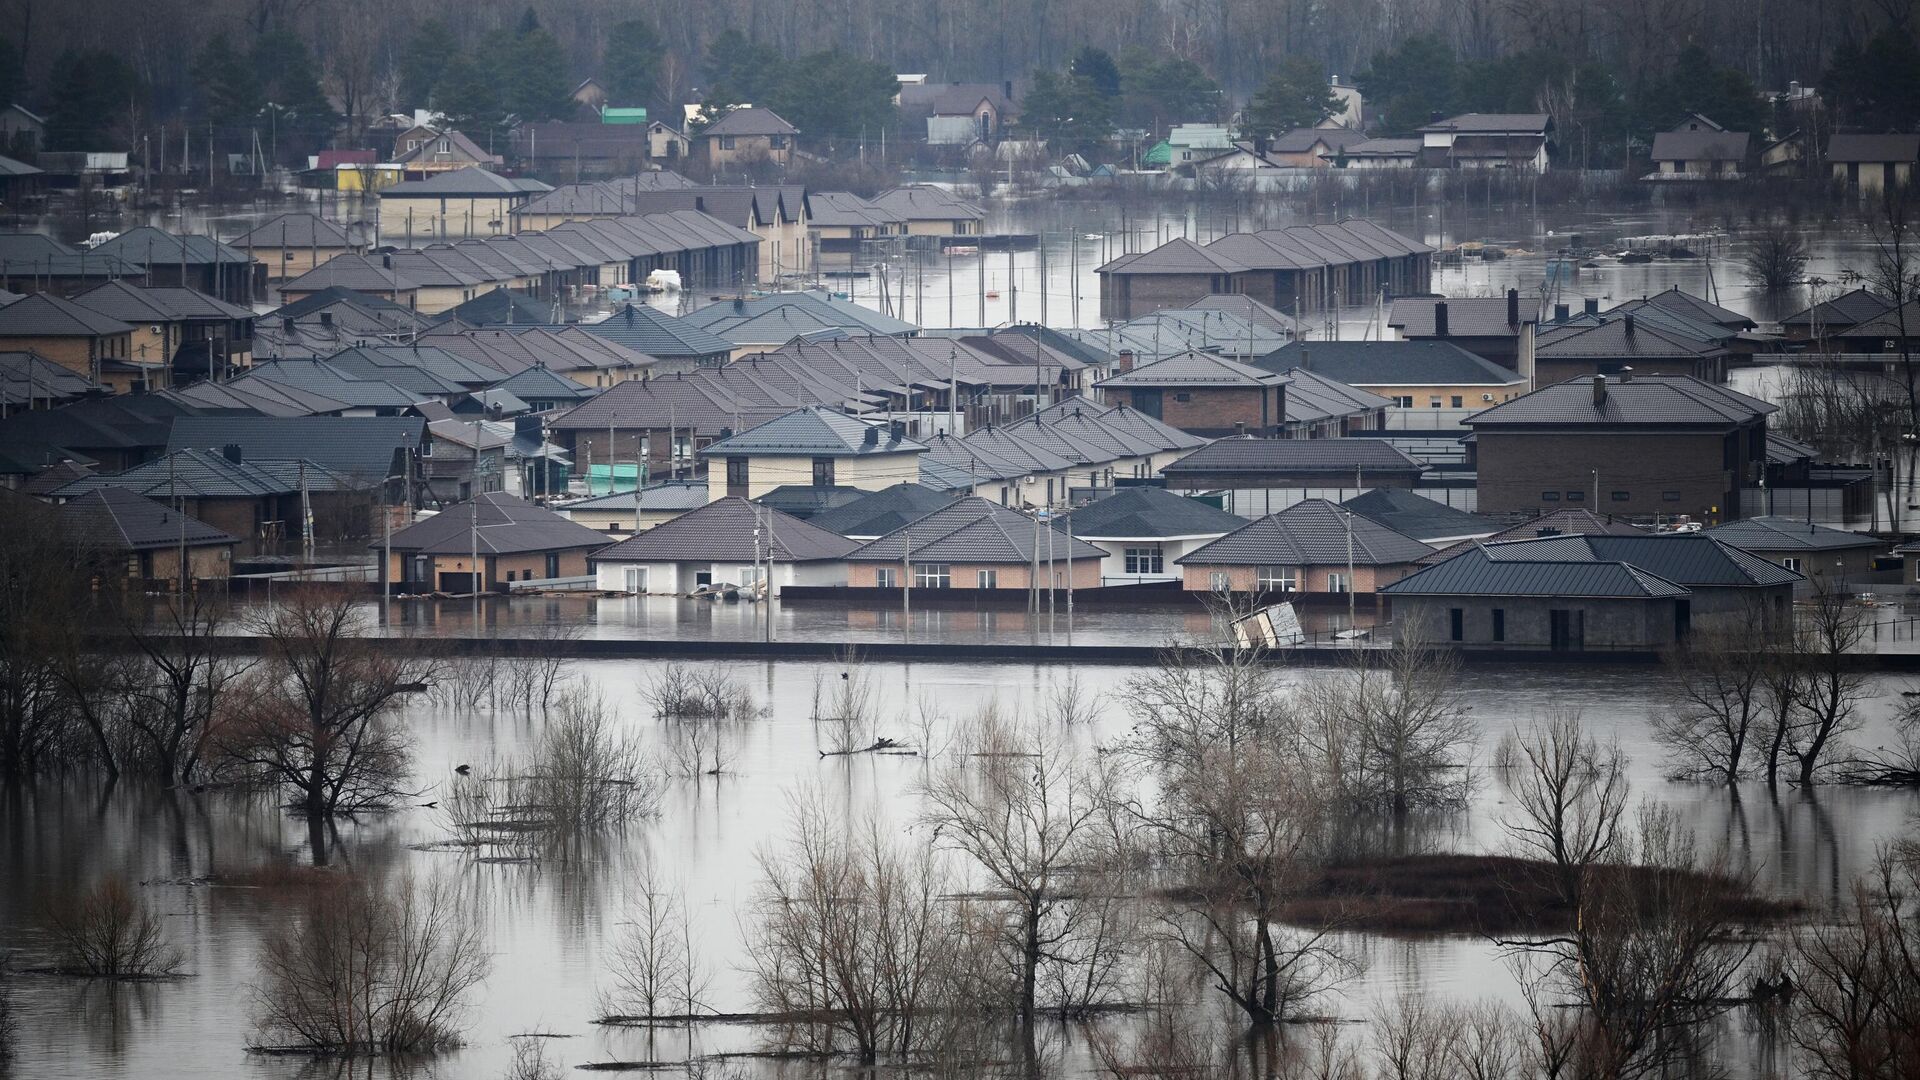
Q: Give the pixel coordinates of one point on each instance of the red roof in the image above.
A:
(332, 159)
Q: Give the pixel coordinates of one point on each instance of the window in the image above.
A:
(736, 476)
(1277, 579)
(932, 576)
(1145, 560)
(1669, 496)
(510, 575)
(989, 579)
(1217, 581)
(636, 579)
(726, 142)
(1434, 402)
(823, 472)
(1619, 496)
(1405, 402)
(1456, 401)
(1337, 583)
(885, 578)
(1456, 624)
(1183, 397)
(1499, 624)
(1576, 496)
(1549, 496)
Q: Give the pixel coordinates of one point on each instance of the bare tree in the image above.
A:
(9, 1017)
(1778, 256)
(183, 673)
(106, 931)
(316, 718)
(1393, 737)
(1830, 686)
(42, 591)
(655, 973)
(1721, 702)
(1895, 274)
(1856, 981)
(364, 970)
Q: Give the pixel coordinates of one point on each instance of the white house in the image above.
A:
(730, 542)
(1144, 530)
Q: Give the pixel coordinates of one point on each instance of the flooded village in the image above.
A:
(1372, 542)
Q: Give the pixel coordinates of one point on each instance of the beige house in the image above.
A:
(931, 211)
(456, 205)
(623, 513)
(516, 542)
(746, 136)
(810, 447)
(974, 544)
(373, 275)
(1871, 162)
(80, 339)
(666, 144)
(183, 330)
(292, 244)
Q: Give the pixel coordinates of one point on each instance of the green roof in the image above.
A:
(623, 115)
(1161, 154)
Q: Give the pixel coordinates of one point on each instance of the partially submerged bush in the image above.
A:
(106, 931)
(365, 970)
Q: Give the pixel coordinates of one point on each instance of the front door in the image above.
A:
(1147, 401)
(1566, 630)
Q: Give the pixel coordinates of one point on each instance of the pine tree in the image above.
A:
(631, 67)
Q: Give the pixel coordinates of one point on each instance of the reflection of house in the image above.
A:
(813, 446)
(1146, 530)
(146, 537)
(1698, 149)
(1313, 546)
(746, 136)
(974, 544)
(1487, 141)
(516, 541)
(728, 542)
(1871, 162)
(1816, 551)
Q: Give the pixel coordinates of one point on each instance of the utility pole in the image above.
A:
(473, 526)
(180, 501)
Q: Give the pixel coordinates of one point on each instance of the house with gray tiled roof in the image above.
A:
(1146, 530)
(1625, 341)
(516, 542)
(1558, 523)
(1698, 149)
(258, 501)
(368, 448)
(1817, 551)
(1424, 519)
(1487, 141)
(877, 513)
(31, 381)
(371, 274)
(620, 514)
(932, 211)
(1312, 547)
(92, 345)
(1351, 463)
(975, 544)
(746, 136)
(1202, 393)
(1847, 310)
(813, 446)
(293, 243)
(188, 261)
(1438, 380)
(1497, 328)
(729, 542)
(651, 331)
(144, 539)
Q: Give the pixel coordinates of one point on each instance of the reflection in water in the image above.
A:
(224, 868)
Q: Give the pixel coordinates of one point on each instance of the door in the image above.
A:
(1682, 619)
(636, 579)
(1147, 401)
(456, 583)
(1566, 630)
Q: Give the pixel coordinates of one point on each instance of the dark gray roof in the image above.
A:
(117, 519)
(1621, 336)
(880, 512)
(656, 333)
(974, 530)
(1467, 316)
(1147, 512)
(147, 245)
(1418, 516)
(750, 120)
(1847, 309)
(500, 524)
(811, 310)
(1196, 368)
(1493, 123)
(1557, 523)
(1645, 400)
(205, 474)
(666, 495)
(805, 501)
(46, 315)
(1311, 532)
(27, 377)
(361, 446)
(1693, 560)
(813, 431)
(499, 307)
(924, 202)
(1702, 146)
(1474, 573)
(1790, 534)
(472, 180)
(724, 531)
(1685, 303)
(537, 383)
(1869, 148)
(295, 230)
(361, 273)
(1336, 457)
(1426, 362)
(132, 304)
(1312, 396)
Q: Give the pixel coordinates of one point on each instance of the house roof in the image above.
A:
(1557, 523)
(149, 246)
(1903, 147)
(1686, 304)
(295, 230)
(751, 120)
(470, 181)
(360, 273)
(497, 524)
(1848, 309)
(1644, 400)
(1418, 516)
(1149, 512)
(813, 431)
(1194, 368)
(50, 316)
(119, 520)
(132, 304)
(206, 474)
(1789, 534)
(1692, 560)
(730, 530)
(746, 320)
(1423, 362)
(974, 530)
(1312, 397)
(654, 332)
(1625, 335)
(1467, 316)
(362, 446)
(1311, 532)
(1493, 123)
(805, 501)
(1335, 457)
(1300, 140)
(1384, 148)
(665, 495)
(10, 167)
(28, 378)
(841, 209)
(1474, 573)
(538, 383)
(924, 202)
(1245, 307)
(1691, 146)
(878, 513)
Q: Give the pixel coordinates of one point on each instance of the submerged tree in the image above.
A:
(1778, 257)
(1856, 1005)
(1392, 736)
(106, 931)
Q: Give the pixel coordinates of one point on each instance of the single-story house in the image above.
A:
(1313, 546)
(1699, 149)
(620, 514)
(728, 542)
(974, 544)
(875, 514)
(516, 541)
(1871, 162)
(1146, 530)
(1819, 552)
(146, 537)
(1422, 518)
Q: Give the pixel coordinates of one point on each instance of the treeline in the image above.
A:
(112, 82)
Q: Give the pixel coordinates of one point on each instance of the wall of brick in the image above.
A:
(1515, 469)
(1313, 579)
(1085, 575)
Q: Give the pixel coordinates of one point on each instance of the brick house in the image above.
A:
(94, 346)
(516, 541)
(1309, 548)
(1646, 446)
(1202, 393)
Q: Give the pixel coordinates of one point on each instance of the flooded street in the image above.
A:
(216, 865)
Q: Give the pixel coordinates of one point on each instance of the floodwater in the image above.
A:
(549, 924)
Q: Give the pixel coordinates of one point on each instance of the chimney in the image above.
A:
(1592, 306)
(326, 318)
(1626, 374)
(1513, 307)
(1599, 391)
(872, 437)
(896, 431)
(386, 260)
(1306, 359)
(739, 304)
(1440, 319)
(1627, 321)
(1126, 361)
(287, 324)
(1240, 427)
(725, 434)
(1333, 80)
(1560, 313)
(231, 452)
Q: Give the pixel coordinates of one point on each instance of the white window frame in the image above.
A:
(1337, 582)
(636, 579)
(1219, 581)
(987, 579)
(932, 575)
(1145, 560)
(1277, 578)
(886, 577)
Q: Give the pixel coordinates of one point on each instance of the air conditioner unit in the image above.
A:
(1028, 479)
(1486, 397)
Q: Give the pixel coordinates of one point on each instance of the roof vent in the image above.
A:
(1440, 319)
(232, 453)
(1560, 313)
(1599, 391)
(326, 318)
(1592, 305)
(1513, 307)
(1627, 321)
(872, 437)
(1626, 374)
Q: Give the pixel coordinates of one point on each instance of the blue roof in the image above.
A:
(645, 329)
